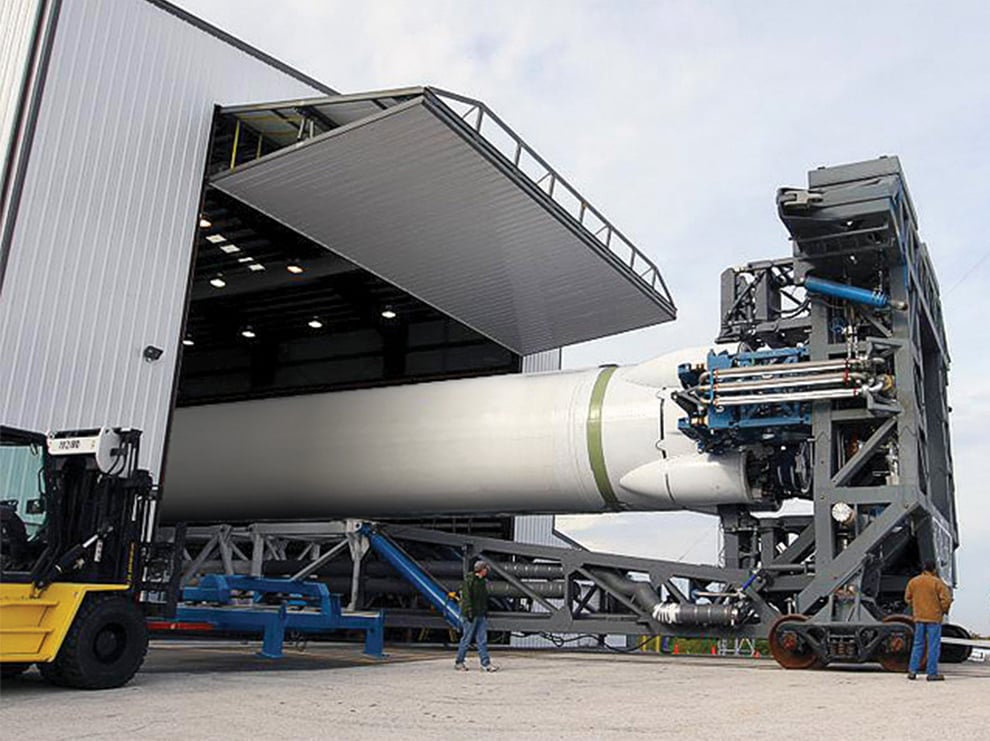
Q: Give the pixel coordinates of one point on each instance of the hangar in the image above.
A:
(187, 220)
(187, 224)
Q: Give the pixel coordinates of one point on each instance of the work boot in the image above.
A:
(936, 677)
(912, 675)
(461, 667)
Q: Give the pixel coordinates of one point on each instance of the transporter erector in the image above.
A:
(827, 383)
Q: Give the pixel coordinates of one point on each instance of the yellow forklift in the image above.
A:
(78, 565)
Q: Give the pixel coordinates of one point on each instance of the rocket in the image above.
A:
(596, 440)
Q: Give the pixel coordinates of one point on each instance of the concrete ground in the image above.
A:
(221, 691)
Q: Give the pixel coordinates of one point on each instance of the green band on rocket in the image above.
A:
(596, 453)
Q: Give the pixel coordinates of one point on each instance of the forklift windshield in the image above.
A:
(23, 510)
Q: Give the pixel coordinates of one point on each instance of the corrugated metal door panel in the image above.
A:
(484, 250)
(17, 26)
(103, 237)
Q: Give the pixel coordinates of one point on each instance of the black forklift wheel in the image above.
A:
(104, 648)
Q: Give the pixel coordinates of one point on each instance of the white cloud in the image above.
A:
(679, 121)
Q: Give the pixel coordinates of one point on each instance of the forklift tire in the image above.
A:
(11, 669)
(104, 648)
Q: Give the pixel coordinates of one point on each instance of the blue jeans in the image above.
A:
(476, 630)
(933, 633)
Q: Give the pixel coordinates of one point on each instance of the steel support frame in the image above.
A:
(838, 574)
(851, 582)
(592, 603)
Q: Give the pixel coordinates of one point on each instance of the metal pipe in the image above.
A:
(395, 585)
(824, 380)
(675, 613)
(733, 401)
(789, 369)
(436, 568)
(642, 592)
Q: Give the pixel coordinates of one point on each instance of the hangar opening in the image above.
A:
(271, 313)
(355, 241)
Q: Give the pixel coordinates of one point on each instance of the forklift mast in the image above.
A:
(94, 514)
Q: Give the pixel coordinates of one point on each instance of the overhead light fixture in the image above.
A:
(248, 333)
(256, 266)
(215, 238)
(205, 223)
(388, 313)
(230, 248)
(217, 281)
(315, 323)
(246, 258)
(295, 268)
(188, 342)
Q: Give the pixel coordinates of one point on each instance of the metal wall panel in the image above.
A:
(542, 362)
(103, 239)
(17, 25)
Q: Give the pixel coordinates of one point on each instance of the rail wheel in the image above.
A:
(895, 654)
(788, 648)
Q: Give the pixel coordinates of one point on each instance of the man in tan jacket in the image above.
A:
(930, 599)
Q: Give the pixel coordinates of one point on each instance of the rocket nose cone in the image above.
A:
(647, 480)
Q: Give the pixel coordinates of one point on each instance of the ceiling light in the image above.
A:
(389, 314)
(294, 268)
(256, 266)
(188, 342)
(315, 323)
(205, 223)
(248, 333)
(217, 281)
(230, 248)
(215, 238)
(246, 258)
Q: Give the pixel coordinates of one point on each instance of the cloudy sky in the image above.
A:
(679, 120)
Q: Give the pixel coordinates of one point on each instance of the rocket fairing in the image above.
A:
(596, 440)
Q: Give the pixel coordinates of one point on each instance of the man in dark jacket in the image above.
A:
(930, 599)
(474, 614)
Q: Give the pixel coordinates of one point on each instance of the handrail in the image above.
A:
(553, 185)
(486, 124)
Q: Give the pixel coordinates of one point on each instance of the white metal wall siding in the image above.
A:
(541, 362)
(103, 238)
(17, 22)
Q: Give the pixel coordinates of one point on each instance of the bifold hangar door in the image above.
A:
(434, 193)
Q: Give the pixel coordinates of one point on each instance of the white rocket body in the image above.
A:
(603, 439)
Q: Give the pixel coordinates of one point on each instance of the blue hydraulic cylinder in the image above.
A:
(877, 299)
(411, 572)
